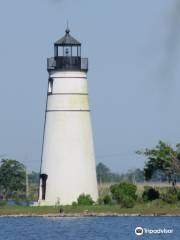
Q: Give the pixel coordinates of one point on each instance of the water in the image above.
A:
(20, 203)
(95, 228)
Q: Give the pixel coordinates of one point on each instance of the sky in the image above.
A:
(133, 49)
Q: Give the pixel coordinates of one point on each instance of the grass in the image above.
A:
(155, 207)
(142, 208)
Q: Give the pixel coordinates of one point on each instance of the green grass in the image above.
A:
(155, 207)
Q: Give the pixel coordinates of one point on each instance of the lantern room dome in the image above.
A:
(67, 40)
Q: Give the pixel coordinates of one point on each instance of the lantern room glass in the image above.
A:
(67, 51)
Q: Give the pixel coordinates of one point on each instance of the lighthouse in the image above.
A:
(68, 166)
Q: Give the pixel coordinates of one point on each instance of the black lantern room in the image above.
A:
(67, 55)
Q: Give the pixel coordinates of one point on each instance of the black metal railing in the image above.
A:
(67, 64)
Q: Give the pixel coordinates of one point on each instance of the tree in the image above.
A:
(12, 178)
(162, 158)
(103, 173)
(135, 175)
(33, 178)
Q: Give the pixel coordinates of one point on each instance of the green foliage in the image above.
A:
(33, 178)
(127, 201)
(124, 193)
(33, 193)
(18, 195)
(33, 183)
(178, 195)
(107, 199)
(136, 175)
(123, 188)
(74, 204)
(158, 203)
(170, 196)
(104, 174)
(3, 203)
(85, 200)
(12, 178)
(161, 158)
(150, 194)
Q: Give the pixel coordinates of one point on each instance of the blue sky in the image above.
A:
(133, 50)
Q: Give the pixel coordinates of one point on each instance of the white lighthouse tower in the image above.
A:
(68, 163)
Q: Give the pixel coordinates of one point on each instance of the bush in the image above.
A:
(150, 194)
(85, 200)
(3, 203)
(107, 199)
(178, 195)
(127, 202)
(74, 204)
(123, 190)
(171, 196)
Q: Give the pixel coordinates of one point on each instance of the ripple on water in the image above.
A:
(88, 228)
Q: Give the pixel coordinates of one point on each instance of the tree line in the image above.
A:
(162, 164)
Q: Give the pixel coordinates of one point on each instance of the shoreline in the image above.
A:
(83, 215)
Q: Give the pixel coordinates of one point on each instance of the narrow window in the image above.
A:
(50, 89)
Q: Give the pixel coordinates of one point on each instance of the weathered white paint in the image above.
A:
(68, 153)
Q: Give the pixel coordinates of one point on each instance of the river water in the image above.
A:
(90, 228)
